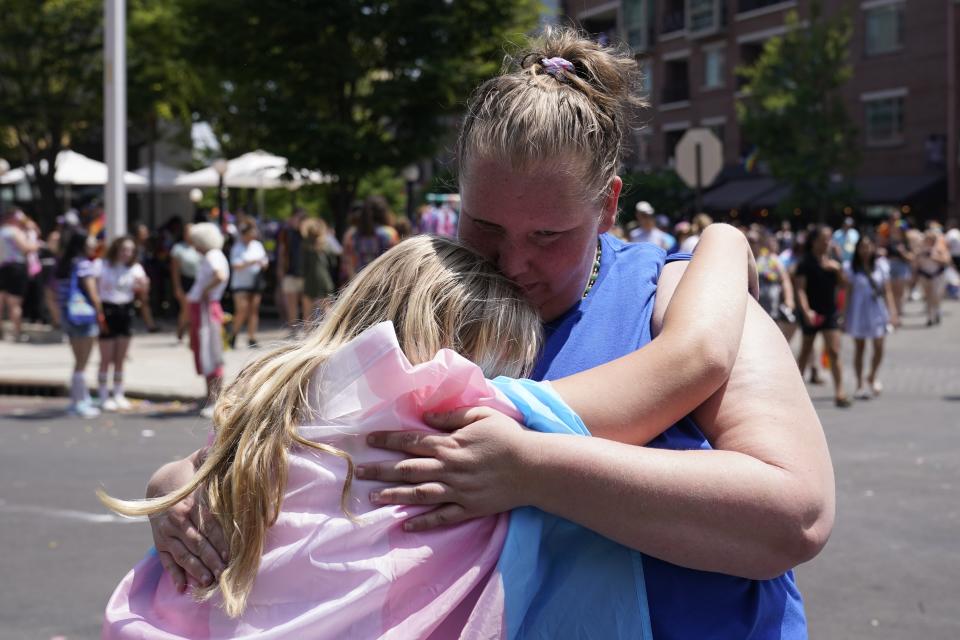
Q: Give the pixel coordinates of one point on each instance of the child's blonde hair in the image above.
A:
(438, 294)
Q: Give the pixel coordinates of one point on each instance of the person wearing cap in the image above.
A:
(846, 239)
(646, 230)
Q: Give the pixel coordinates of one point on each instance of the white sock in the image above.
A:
(118, 385)
(102, 385)
(78, 387)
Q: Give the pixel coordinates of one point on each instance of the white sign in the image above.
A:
(710, 157)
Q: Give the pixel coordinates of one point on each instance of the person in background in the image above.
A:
(663, 224)
(371, 238)
(206, 314)
(290, 279)
(318, 256)
(700, 222)
(646, 229)
(952, 238)
(439, 220)
(48, 267)
(784, 236)
(403, 228)
(817, 278)
(184, 261)
(932, 261)
(248, 264)
(146, 256)
(15, 247)
(776, 288)
(901, 259)
(77, 274)
(845, 239)
(869, 313)
(121, 280)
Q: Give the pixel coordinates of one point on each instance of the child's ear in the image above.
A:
(609, 214)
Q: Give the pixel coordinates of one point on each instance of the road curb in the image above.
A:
(42, 388)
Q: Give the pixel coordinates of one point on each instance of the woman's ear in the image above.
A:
(608, 216)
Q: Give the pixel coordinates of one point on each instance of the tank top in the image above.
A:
(9, 251)
(612, 321)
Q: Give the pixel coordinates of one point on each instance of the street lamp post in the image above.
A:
(196, 195)
(220, 166)
(411, 174)
(4, 167)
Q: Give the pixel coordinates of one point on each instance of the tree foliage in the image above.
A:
(793, 112)
(346, 87)
(51, 75)
(51, 79)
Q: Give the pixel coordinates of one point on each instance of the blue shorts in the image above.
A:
(91, 330)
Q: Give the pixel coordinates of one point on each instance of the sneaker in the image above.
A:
(232, 340)
(863, 393)
(877, 387)
(207, 412)
(122, 403)
(842, 402)
(252, 344)
(108, 404)
(83, 410)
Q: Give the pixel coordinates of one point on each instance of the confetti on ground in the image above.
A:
(53, 544)
(148, 433)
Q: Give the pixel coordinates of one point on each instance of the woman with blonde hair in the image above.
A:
(316, 258)
(290, 429)
(723, 503)
(206, 314)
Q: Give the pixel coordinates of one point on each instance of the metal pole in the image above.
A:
(953, 114)
(115, 116)
(698, 194)
(222, 206)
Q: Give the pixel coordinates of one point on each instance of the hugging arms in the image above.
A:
(756, 505)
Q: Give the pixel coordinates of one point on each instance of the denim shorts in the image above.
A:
(91, 330)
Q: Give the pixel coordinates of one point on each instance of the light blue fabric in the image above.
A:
(550, 592)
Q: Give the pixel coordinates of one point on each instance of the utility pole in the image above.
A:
(115, 116)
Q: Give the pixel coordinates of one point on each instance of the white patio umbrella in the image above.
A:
(72, 169)
(253, 170)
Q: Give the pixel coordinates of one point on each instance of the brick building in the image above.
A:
(903, 96)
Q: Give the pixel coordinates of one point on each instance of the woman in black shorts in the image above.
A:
(121, 280)
(14, 247)
(818, 278)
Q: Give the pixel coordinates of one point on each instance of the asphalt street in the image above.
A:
(890, 571)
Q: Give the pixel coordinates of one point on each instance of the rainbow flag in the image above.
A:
(750, 161)
(526, 574)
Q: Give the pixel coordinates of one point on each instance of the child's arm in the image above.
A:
(635, 398)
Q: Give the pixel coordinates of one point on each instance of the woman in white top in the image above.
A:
(15, 245)
(248, 262)
(206, 314)
(121, 280)
(184, 262)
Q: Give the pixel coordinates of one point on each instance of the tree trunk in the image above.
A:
(341, 198)
(48, 207)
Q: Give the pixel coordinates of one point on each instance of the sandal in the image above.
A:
(842, 402)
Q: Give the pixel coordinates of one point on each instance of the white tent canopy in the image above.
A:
(72, 169)
(254, 170)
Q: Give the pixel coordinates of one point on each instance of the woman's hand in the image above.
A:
(187, 541)
(475, 470)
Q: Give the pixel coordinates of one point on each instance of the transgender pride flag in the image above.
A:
(523, 575)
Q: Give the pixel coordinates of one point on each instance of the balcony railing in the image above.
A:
(673, 21)
(750, 5)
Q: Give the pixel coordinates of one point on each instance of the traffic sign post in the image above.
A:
(699, 157)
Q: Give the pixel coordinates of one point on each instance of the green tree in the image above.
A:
(346, 87)
(51, 78)
(793, 112)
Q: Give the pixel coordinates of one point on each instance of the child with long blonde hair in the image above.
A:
(305, 556)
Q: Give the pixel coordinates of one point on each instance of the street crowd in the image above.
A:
(817, 280)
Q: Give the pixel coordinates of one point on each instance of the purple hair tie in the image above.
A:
(556, 67)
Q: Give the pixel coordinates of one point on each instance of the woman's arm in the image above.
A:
(789, 300)
(891, 303)
(757, 505)
(629, 399)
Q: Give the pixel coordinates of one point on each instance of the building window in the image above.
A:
(884, 29)
(714, 67)
(702, 15)
(676, 86)
(673, 17)
(637, 23)
(884, 122)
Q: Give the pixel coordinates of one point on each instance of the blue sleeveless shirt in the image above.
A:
(614, 320)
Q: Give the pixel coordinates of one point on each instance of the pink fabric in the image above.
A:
(322, 576)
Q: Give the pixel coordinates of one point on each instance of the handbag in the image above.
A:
(79, 310)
